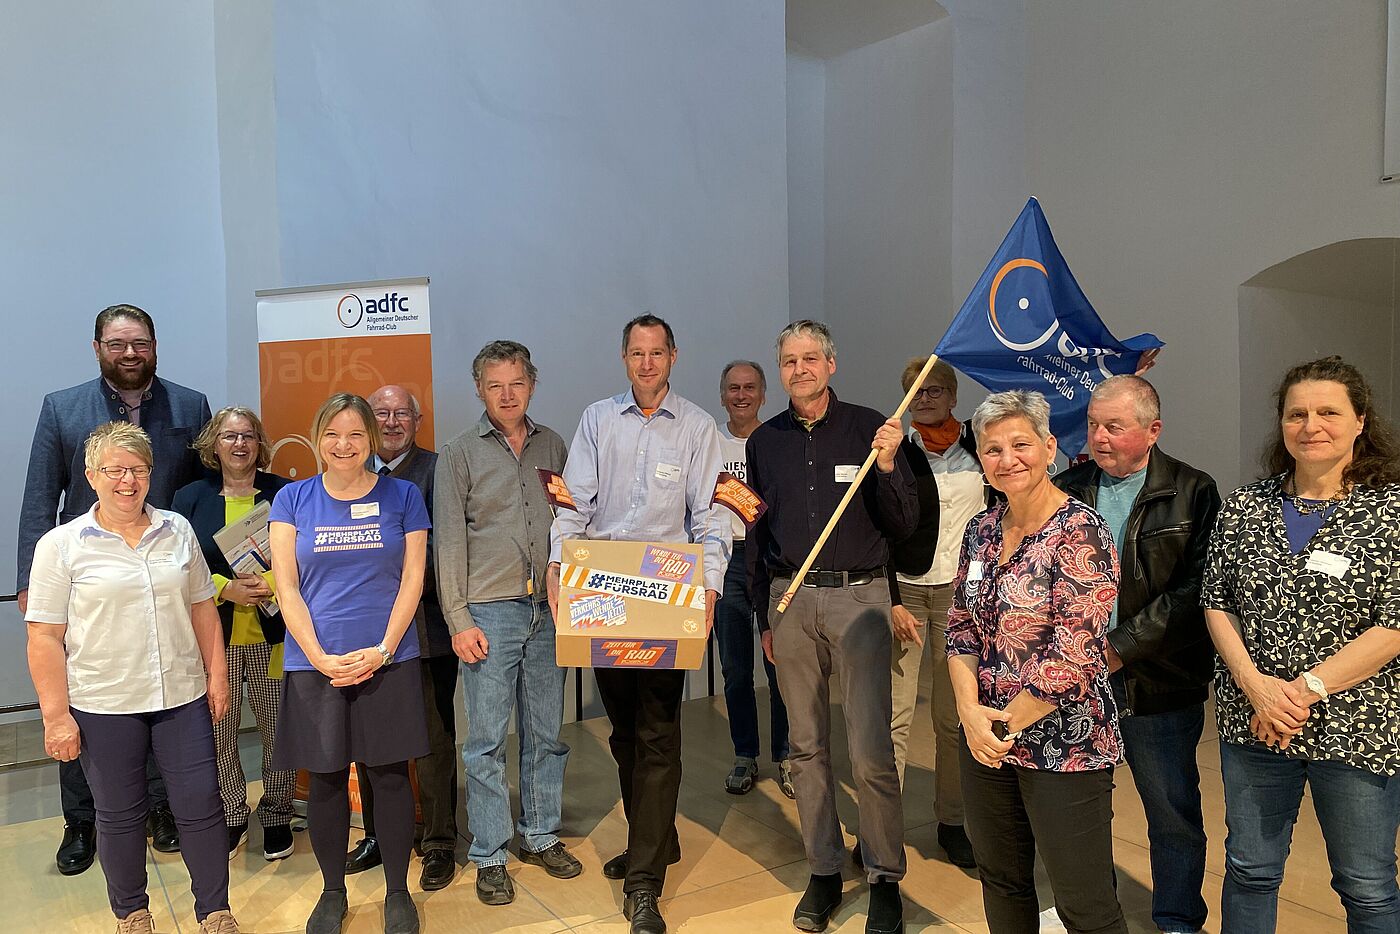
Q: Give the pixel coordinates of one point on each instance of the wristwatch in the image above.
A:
(1315, 684)
(383, 650)
(1000, 731)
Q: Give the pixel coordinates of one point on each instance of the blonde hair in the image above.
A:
(122, 435)
(205, 444)
(941, 373)
(340, 402)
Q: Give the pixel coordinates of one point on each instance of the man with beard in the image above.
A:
(398, 413)
(56, 490)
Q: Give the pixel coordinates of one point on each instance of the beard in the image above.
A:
(126, 379)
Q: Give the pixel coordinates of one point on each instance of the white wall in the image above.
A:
(109, 192)
(806, 185)
(888, 206)
(1179, 149)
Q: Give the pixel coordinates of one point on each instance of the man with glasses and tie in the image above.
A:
(56, 491)
(399, 415)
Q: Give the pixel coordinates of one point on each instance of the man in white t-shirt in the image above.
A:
(741, 392)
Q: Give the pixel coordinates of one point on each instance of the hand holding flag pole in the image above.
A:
(851, 491)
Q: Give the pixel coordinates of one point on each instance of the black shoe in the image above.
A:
(165, 836)
(439, 867)
(400, 914)
(739, 781)
(493, 885)
(237, 836)
(886, 912)
(556, 860)
(819, 903)
(857, 858)
(364, 856)
(616, 868)
(330, 910)
(277, 842)
(641, 909)
(954, 841)
(78, 849)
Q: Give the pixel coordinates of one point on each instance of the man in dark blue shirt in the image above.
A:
(801, 462)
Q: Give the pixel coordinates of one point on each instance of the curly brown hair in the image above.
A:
(1376, 453)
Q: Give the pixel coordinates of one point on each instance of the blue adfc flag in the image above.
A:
(1027, 325)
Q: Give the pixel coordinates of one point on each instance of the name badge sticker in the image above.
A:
(161, 558)
(668, 472)
(846, 473)
(1329, 563)
(363, 510)
(974, 570)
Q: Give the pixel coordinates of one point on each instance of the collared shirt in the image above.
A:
(1298, 610)
(961, 495)
(802, 474)
(130, 639)
(130, 399)
(377, 464)
(491, 542)
(1036, 623)
(641, 478)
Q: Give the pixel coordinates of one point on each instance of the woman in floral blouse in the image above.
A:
(1036, 582)
(1302, 597)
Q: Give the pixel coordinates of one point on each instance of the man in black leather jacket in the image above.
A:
(1162, 512)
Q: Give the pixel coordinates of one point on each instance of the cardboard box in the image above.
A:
(630, 605)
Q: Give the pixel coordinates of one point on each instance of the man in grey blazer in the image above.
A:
(56, 491)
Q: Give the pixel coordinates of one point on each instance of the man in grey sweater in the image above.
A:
(491, 545)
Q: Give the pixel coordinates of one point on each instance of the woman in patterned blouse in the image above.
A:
(1036, 582)
(1302, 597)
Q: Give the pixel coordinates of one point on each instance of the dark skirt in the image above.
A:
(378, 722)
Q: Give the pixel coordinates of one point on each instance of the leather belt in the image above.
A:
(837, 578)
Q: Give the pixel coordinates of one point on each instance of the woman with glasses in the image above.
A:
(349, 548)
(235, 448)
(126, 657)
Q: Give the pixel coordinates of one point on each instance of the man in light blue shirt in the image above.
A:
(642, 467)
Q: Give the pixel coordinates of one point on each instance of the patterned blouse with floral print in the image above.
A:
(1037, 624)
(1296, 611)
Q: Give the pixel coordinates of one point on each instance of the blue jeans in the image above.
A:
(734, 629)
(1358, 812)
(1161, 750)
(518, 672)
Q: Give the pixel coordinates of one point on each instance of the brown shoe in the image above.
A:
(218, 922)
(138, 922)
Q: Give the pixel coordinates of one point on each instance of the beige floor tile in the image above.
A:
(36, 897)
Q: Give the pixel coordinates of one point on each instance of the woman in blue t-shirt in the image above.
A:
(348, 552)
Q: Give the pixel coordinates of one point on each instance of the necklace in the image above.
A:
(1311, 507)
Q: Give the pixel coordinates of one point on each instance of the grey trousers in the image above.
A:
(930, 605)
(845, 631)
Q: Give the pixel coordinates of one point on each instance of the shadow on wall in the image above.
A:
(1343, 298)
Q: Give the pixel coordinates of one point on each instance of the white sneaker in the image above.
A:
(1050, 922)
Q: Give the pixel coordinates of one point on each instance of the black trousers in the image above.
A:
(76, 795)
(437, 771)
(1012, 812)
(644, 708)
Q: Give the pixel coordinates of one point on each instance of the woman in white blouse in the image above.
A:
(127, 658)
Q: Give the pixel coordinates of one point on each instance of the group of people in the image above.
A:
(1074, 619)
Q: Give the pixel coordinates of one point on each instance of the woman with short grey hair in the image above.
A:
(127, 659)
(1037, 580)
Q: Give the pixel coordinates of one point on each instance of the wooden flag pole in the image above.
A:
(851, 491)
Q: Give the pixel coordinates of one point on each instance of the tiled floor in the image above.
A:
(742, 867)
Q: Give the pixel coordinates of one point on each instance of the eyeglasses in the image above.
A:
(933, 392)
(140, 347)
(400, 415)
(233, 437)
(140, 472)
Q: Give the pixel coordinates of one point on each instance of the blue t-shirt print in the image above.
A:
(350, 561)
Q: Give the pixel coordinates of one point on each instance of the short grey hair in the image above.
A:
(504, 352)
(1014, 403)
(806, 327)
(724, 373)
(1146, 403)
